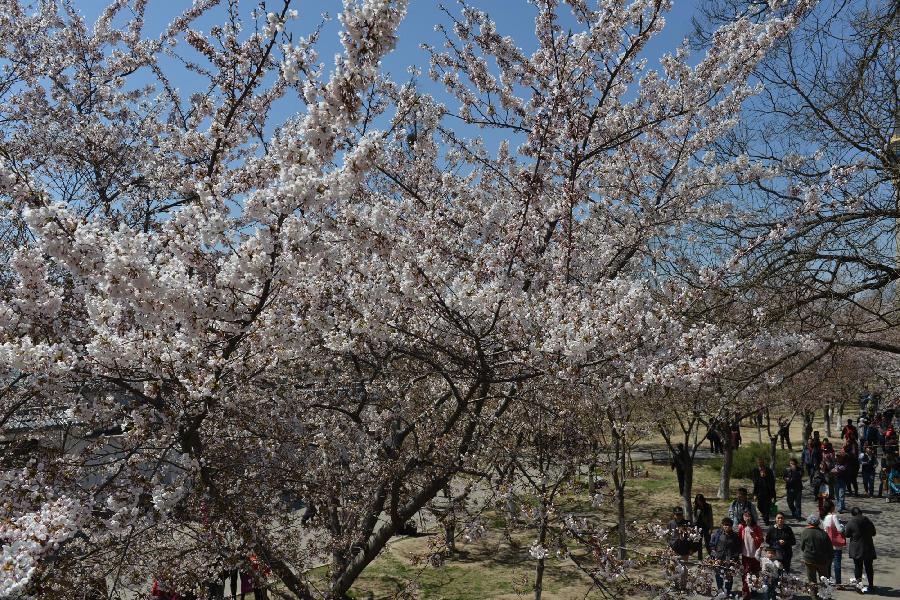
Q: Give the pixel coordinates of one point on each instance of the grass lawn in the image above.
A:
(492, 567)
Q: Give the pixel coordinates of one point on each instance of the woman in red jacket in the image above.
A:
(751, 537)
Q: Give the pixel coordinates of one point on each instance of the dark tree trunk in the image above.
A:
(619, 483)
(807, 427)
(686, 497)
(727, 460)
(539, 573)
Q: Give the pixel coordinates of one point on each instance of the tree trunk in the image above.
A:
(450, 534)
(620, 508)
(807, 427)
(450, 521)
(686, 498)
(619, 483)
(354, 559)
(539, 572)
(725, 476)
(828, 421)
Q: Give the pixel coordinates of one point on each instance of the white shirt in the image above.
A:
(749, 542)
(830, 519)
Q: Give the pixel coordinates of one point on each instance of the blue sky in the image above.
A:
(513, 17)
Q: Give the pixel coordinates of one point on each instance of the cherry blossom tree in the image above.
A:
(346, 307)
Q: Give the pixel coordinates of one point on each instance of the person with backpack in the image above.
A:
(782, 539)
(725, 550)
(834, 529)
(740, 505)
(816, 549)
(860, 531)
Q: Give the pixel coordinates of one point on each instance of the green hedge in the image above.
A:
(745, 460)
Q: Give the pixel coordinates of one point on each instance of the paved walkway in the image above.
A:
(886, 517)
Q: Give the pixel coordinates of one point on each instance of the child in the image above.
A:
(770, 571)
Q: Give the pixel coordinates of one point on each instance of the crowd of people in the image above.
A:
(764, 556)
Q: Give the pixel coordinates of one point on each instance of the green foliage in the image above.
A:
(745, 460)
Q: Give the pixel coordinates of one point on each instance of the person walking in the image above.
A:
(821, 488)
(793, 484)
(816, 551)
(851, 452)
(680, 459)
(703, 520)
(859, 531)
(782, 539)
(772, 570)
(740, 505)
(872, 434)
(751, 539)
(715, 440)
(868, 462)
(811, 457)
(887, 463)
(725, 550)
(680, 542)
(763, 489)
(828, 452)
(835, 531)
(841, 473)
(849, 431)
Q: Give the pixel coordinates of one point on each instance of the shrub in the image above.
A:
(745, 460)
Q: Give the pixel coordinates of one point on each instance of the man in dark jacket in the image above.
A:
(859, 532)
(725, 550)
(782, 539)
(793, 483)
(763, 488)
(817, 550)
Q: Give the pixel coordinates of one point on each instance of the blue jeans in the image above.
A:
(840, 490)
(836, 564)
(724, 580)
(869, 482)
